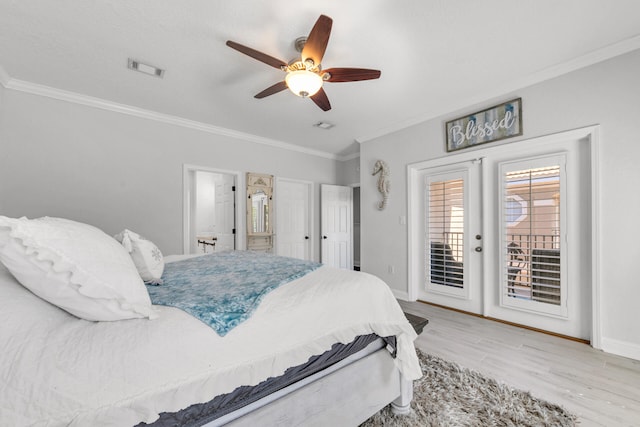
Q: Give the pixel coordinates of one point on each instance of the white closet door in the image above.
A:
(337, 225)
(293, 218)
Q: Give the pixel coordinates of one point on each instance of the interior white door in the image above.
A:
(293, 202)
(337, 225)
(225, 213)
(453, 241)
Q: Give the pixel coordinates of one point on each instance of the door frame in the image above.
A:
(187, 170)
(589, 134)
(353, 228)
(310, 211)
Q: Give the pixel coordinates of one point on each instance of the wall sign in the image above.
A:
(493, 124)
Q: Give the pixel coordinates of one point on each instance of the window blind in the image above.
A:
(446, 232)
(531, 212)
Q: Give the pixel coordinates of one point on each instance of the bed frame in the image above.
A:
(346, 394)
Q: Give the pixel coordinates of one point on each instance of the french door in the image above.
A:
(507, 233)
(541, 275)
(453, 236)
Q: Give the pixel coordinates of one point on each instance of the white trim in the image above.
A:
(487, 244)
(239, 201)
(621, 348)
(413, 242)
(591, 58)
(103, 104)
(596, 252)
(310, 219)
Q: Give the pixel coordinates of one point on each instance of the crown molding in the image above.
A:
(76, 98)
(349, 157)
(591, 58)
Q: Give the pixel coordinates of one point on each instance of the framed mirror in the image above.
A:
(259, 212)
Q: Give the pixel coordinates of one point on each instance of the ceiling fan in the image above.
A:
(305, 75)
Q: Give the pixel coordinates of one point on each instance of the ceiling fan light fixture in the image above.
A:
(303, 83)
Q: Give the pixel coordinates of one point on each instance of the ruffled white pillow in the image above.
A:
(74, 266)
(146, 256)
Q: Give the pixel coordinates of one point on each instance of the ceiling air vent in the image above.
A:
(324, 125)
(145, 68)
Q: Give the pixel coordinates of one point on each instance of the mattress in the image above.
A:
(225, 404)
(60, 370)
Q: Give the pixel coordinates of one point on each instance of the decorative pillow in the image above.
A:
(74, 266)
(146, 256)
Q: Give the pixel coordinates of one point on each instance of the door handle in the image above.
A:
(306, 237)
(324, 237)
(478, 248)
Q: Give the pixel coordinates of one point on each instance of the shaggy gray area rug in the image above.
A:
(450, 395)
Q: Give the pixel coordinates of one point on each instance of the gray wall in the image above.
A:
(114, 170)
(348, 172)
(607, 94)
(2, 90)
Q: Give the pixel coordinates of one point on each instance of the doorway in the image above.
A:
(507, 232)
(356, 227)
(210, 211)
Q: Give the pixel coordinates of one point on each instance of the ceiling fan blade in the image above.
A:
(321, 100)
(317, 41)
(351, 74)
(262, 57)
(278, 87)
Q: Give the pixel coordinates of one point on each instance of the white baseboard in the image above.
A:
(621, 348)
(401, 295)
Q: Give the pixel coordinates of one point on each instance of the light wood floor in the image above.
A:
(602, 389)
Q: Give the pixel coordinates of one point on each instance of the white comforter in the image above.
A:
(56, 369)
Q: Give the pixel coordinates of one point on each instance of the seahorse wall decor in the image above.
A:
(384, 185)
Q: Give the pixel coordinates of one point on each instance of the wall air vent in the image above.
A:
(145, 68)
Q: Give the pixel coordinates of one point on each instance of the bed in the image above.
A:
(162, 367)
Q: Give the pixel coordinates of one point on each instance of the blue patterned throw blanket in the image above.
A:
(224, 289)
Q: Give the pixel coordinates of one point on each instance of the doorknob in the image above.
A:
(324, 237)
(306, 237)
(478, 248)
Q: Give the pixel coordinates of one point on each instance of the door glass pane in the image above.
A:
(446, 232)
(531, 214)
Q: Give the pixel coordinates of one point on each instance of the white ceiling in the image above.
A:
(435, 55)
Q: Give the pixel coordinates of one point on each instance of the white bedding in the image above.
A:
(57, 369)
